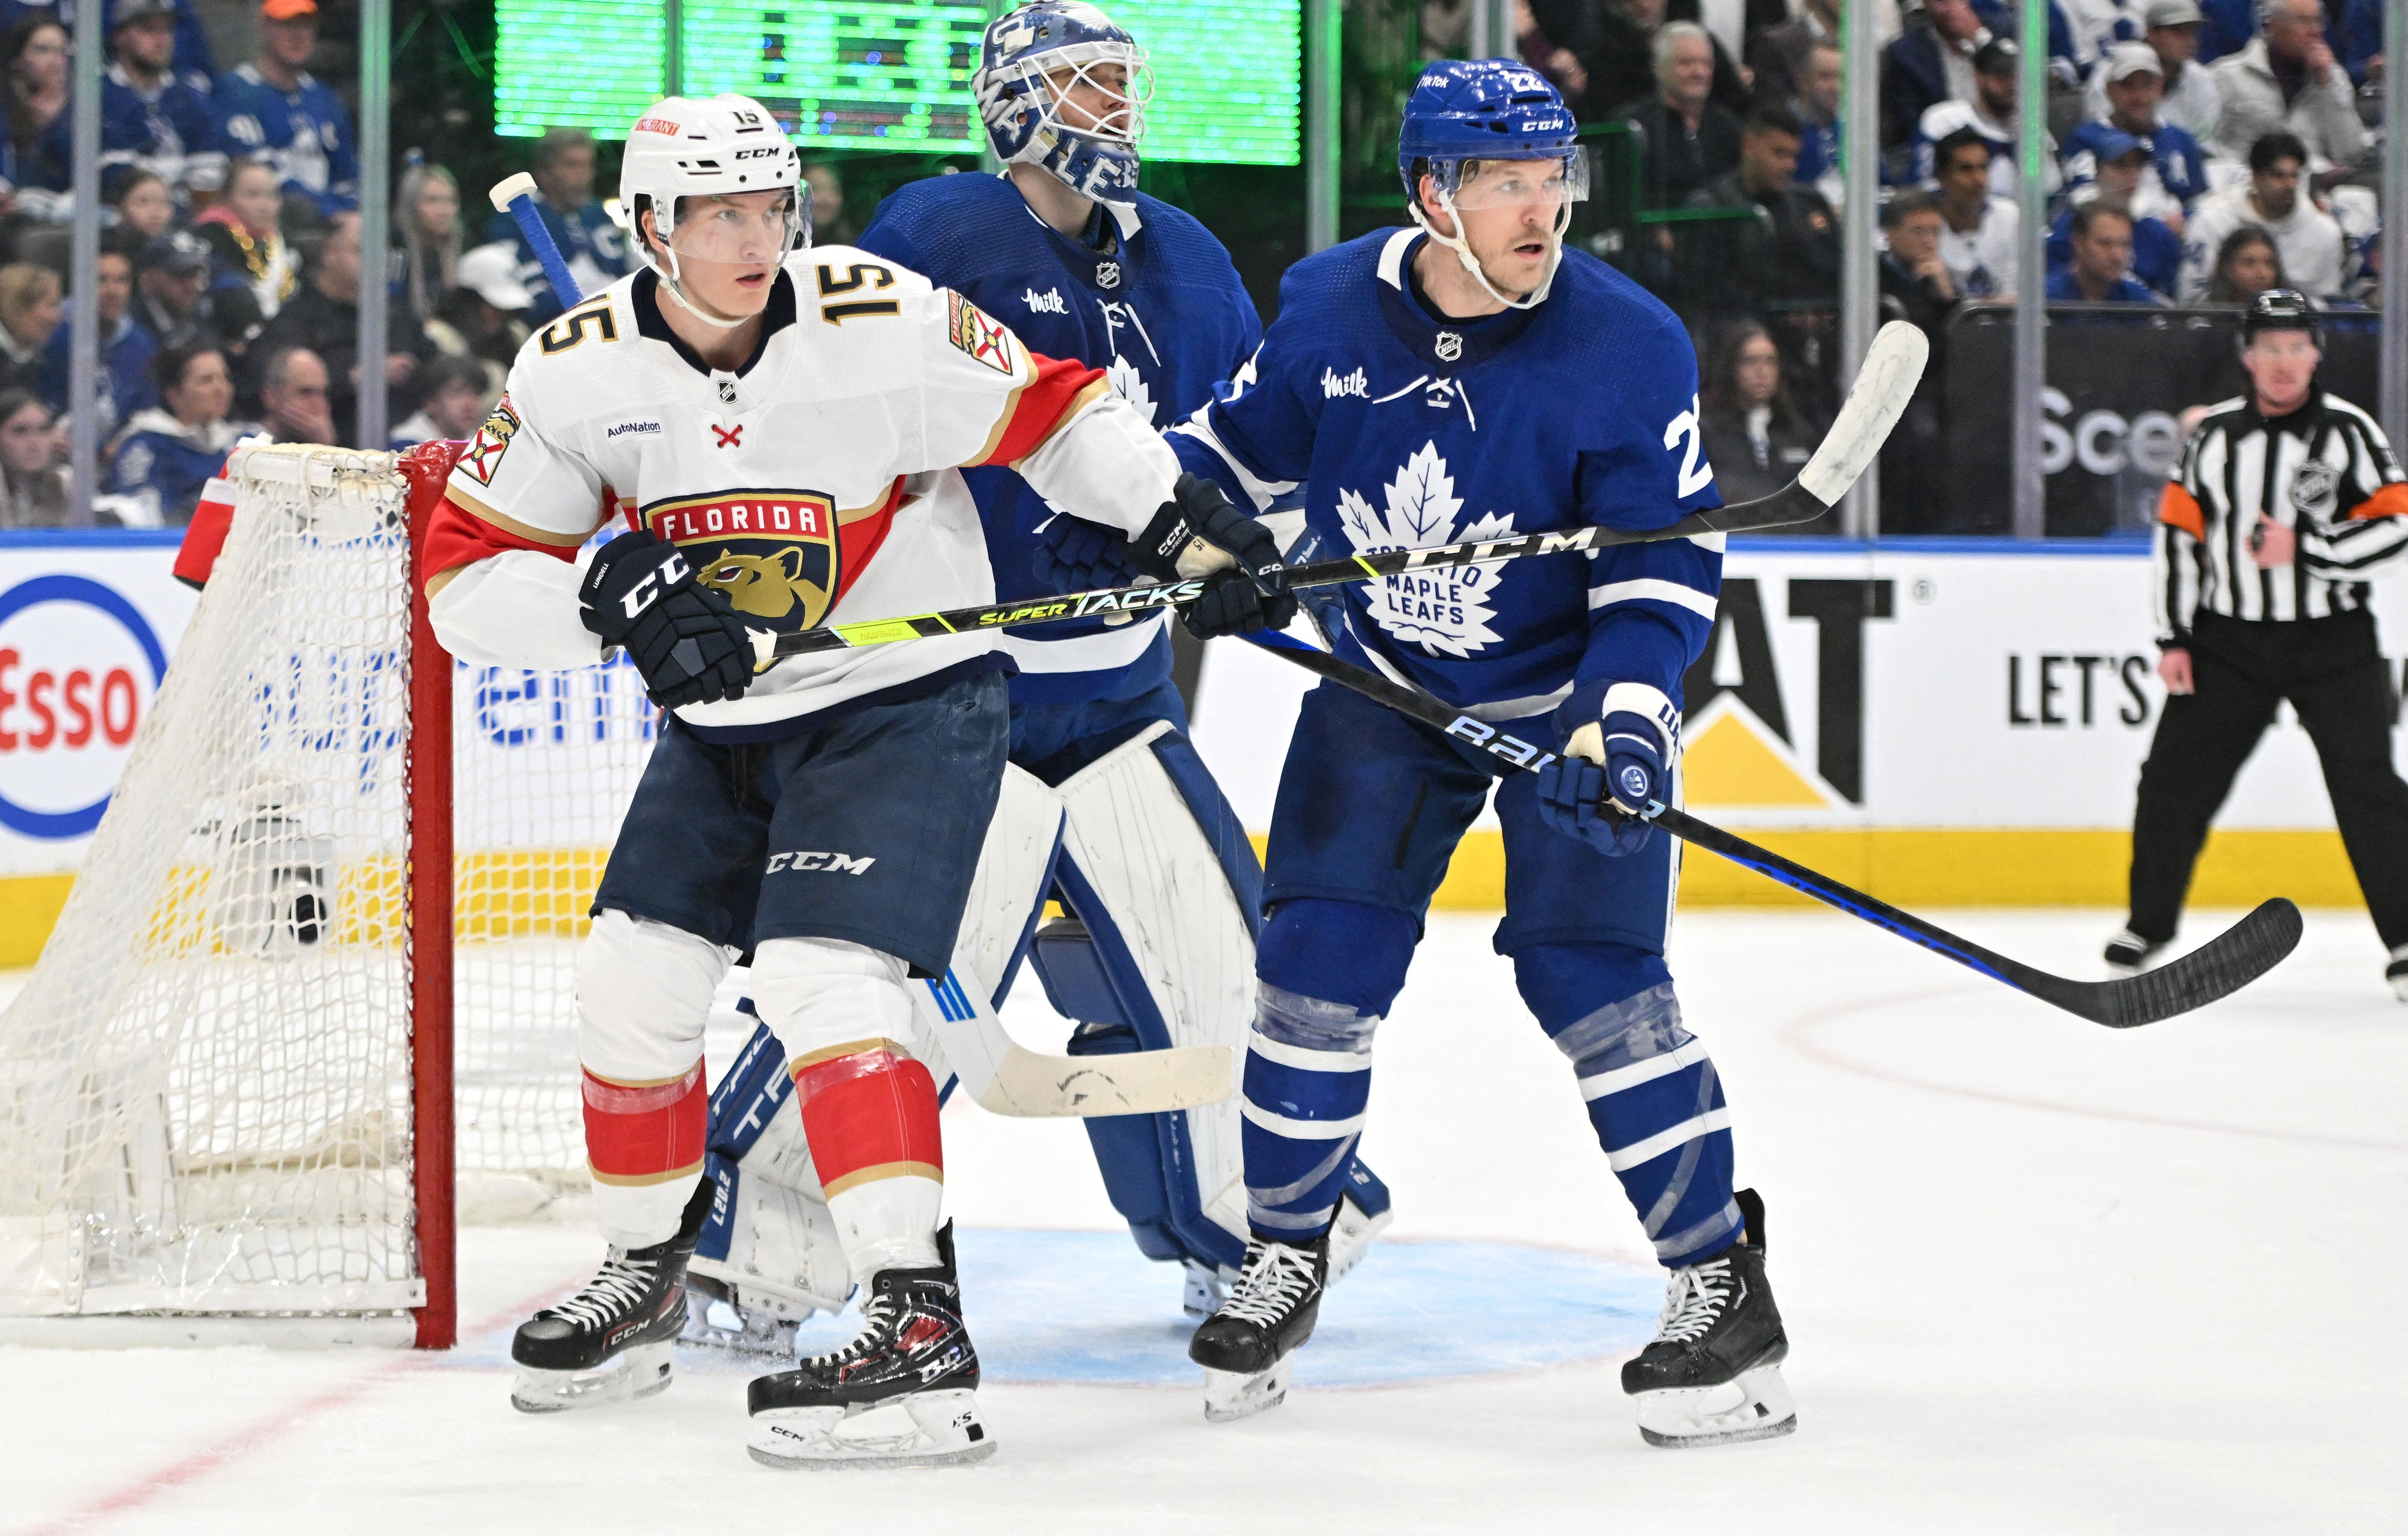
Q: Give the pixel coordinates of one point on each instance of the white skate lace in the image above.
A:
(874, 1314)
(615, 1289)
(1267, 1291)
(1693, 1301)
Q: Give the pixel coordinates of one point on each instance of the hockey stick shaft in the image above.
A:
(515, 196)
(2225, 964)
(1893, 367)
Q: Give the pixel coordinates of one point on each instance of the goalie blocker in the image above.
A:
(1152, 950)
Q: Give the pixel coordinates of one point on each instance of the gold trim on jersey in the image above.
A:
(509, 524)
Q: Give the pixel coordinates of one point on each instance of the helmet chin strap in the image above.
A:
(669, 276)
(1462, 249)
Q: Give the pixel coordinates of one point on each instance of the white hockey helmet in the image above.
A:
(682, 147)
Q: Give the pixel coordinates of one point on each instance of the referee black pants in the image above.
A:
(2334, 676)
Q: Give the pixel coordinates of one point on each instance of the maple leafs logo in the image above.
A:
(1129, 385)
(1444, 611)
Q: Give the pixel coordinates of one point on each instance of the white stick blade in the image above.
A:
(1138, 1083)
(509, 189)
(1893, 367)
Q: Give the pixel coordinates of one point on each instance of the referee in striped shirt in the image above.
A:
(2286, 503)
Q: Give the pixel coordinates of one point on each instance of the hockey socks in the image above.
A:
(869, 1110)
(644, 1145)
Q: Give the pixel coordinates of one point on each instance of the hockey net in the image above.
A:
(230, 1084)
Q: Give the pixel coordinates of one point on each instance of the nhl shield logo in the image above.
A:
(1108, 274)
(773, 554)
(2313, 485)
(1448, 347)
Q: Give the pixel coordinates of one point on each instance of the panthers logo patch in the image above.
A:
(773, 554)
(485, 452)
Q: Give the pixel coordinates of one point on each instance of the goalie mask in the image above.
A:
(1490, 133)
(1059, 86)
(703, 167)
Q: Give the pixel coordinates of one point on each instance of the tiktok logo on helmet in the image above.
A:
(1037, 58)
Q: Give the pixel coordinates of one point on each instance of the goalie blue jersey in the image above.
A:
(1403, 430)
(1162, 313)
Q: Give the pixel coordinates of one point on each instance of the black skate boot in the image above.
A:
(1245, 1346)
(912, 1351)
(2128, 953)
(1712, 1376)
(611, 1341)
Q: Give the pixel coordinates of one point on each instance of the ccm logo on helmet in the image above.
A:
(761, 153)
(835, 863)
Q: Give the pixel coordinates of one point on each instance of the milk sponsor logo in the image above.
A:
(78, 668)
(1334, 384)
(1047, 303)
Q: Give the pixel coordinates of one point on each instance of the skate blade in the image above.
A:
(717, 1325)
(1238, 1394)
(944, 1431)
(1755, 1404)
(638, 1371)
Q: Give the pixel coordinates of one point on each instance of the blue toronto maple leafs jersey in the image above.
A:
(1162, 313)
(1405, 430)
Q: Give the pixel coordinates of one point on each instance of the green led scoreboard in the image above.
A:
(889, 74)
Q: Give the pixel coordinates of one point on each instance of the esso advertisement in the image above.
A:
(86, 630)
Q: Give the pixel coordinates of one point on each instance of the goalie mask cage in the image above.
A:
(240, 1082)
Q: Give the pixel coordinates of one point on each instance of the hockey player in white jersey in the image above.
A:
(780, 430)
(1160, 893)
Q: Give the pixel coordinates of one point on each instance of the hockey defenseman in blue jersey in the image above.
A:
(1467, 379)
(1064, 249)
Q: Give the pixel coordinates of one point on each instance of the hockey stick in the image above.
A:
(515, 196)
(2225, 964)
(1000, 1075)
(1893, 367)
(1005, 1079)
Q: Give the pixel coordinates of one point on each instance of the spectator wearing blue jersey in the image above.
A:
(124, 385)
(595, 248)
(34, 75)
(2121, 163)
(151, 118)
(2101, 270)
(168, 452)
(273, 107)
(2175, 172)
(1818, 118)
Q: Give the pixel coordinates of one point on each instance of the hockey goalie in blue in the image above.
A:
(1467, 377)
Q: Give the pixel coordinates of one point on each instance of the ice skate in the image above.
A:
(2397, 973)
(912, 1357)
(718, 1315)
(611, 1341)
(1711, 1375)
(2128, 953)
(1245, 1346)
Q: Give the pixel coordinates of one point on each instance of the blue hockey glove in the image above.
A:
(1608, 784)
(1074, 555)
(640, 594)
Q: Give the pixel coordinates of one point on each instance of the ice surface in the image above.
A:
(2040, 1276)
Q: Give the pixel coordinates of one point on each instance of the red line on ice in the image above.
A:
(257, 1436)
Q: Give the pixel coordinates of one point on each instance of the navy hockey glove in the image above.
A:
(1074, 555)
(1603, 786)
(1198, 533)
(640, 594)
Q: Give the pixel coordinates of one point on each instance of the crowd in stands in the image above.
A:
(2198, 152)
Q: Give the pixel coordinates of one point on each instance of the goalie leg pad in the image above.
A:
(643, 992)
(1654, 1095)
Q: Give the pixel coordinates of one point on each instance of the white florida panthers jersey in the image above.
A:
(816, 482)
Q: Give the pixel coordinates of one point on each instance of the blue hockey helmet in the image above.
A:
(1472, 112)
(1022, 105)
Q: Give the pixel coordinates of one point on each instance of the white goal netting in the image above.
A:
(205, 1085)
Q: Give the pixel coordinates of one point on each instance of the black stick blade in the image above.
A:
(2222, 966)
